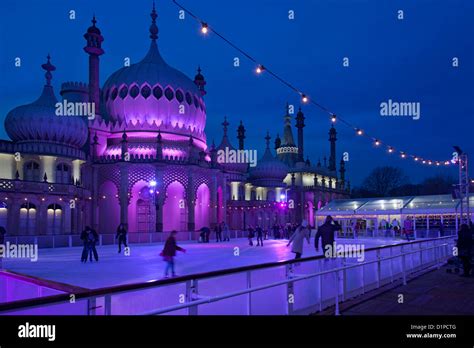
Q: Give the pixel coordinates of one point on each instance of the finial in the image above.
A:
(267, 140)
(153, 26)
(94, 21)
(124, 136)
(199, 69)
(158, 138)
(48, 67)
(225, 124)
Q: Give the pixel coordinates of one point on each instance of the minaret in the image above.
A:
(200, 82)
(342, 171)
(94, 50)
(277, 142)
(332, 140)
(300, 125)
(241, 135)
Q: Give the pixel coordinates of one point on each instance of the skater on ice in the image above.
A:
(169, 252)
(122, 237)
(297, 238)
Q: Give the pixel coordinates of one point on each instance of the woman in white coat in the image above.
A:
(301, 233)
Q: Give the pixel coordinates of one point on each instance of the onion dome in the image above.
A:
(38, 122)
(152, 93)
(227, 154)
(93, 29)
(270, 171)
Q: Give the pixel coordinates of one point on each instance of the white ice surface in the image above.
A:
(145, 264)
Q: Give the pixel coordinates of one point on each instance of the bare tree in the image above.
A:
(384, 180)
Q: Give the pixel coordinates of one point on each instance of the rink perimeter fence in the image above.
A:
(74, 240)
(293, 287)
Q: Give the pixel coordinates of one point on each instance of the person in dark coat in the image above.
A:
(89, 237)
(169, 252)
(250, 235)
(122, 237)
(326, 233)
(259, 231)
(464, 245)
(218, 231)
(205, 232)
(85, 249)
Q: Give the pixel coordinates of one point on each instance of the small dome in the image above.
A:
(269, 169)
(38, 122)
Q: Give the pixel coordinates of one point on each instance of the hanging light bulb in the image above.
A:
(359, 131)
(259, 69)
(333, 118)
(304, 98)
(390, 149)
(403, 155)
(377, 142)
(416, 159)
(204, 28)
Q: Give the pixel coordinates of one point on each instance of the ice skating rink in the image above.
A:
(145, 264)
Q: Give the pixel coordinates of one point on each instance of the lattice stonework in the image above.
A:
(200, 178)
(109, 173)
(139, 172)
(175, 173)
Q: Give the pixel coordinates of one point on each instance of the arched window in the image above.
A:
(27, 219)
(54, 219)
(31, 171)
(63, 174)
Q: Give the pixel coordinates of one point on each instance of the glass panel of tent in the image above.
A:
(419, 216)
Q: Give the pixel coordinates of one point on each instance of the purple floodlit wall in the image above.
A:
(141, 212)
(202, 207)
(109, 208)
(174, 209)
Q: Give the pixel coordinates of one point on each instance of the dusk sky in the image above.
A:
(407, 60)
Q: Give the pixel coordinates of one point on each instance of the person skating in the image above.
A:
(205, 232)
(225, 232)
(85, 249)
(169, 252)
(122, 237)
(259, 231)
(297, 238)
(92, 239)
(218, 231)
(464, 245)
(250, 235)
(326, 233)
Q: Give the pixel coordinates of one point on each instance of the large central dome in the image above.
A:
(153, 94)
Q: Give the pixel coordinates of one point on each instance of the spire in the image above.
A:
(153, 26)
(241, 135)
(300, 125)
(267, 140)
(94, 21)
(48, 67)
(200, 82)
(225, 124)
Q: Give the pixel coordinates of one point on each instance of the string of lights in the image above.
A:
(305, 99)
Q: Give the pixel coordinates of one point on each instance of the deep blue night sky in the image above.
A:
(408, 60)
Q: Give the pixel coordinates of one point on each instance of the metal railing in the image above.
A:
(275, 285)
